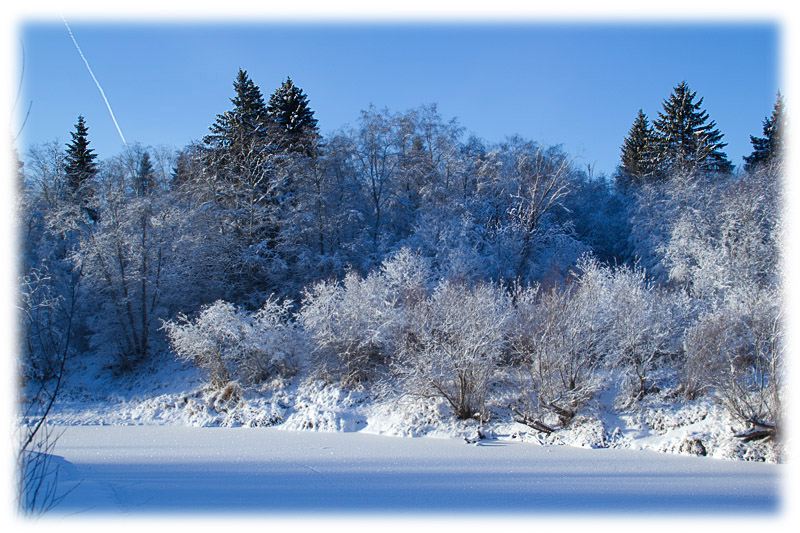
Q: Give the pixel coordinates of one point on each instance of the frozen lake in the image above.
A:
(123, 469)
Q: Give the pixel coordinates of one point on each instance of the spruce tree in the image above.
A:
(145, 175)
(770, 147)
(188, 165)
(289, 109)
(639, 159)
(247, 173)
(80, 161)
(240, 135)
(687, 141)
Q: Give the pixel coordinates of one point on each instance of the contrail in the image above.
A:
(95, 81)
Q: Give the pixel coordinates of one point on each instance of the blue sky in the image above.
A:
(578, 85)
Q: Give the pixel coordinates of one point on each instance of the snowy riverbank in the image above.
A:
(172, 393)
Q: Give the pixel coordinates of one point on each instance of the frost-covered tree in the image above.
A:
(543, 180)
(437, 156)
(520, 187)
(639, 159)
(335, 201)
(687, 141)
(730, 237)
(127, 259)
(236, 133)
(80, 159)
(726, 252)
(429, 161)
(772, 145)
(656, 208)
(599, 214)
(241, 141)
(241, 138)
(376, 157)
(188, 165)
(145, 175)
(51, 225)
(243, 178)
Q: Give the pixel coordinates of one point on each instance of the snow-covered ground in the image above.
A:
(113, 469)
(160, 441)
(173, 393)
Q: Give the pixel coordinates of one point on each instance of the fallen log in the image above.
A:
(564, 414)
(532, 422)
(758, 434)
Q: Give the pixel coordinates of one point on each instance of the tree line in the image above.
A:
(400, 249)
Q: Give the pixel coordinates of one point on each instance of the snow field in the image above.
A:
(178, 469)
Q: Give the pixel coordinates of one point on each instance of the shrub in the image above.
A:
(554, 340)
(351, 325)
(231, 344)
(645, 329)
(738, 351)
(453, 344)
(355, 325)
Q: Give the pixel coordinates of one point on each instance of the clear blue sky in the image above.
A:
(578, 85)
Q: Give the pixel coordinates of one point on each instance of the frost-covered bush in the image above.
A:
(725, 250)
(703, 341)
(355, 324)
(453, 345)
(232, 344)
(554, 339)
(408, 275)
(738, 351)
(646, 323)
(604, 316)
(274, 343)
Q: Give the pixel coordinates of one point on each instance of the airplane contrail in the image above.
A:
(102, 93)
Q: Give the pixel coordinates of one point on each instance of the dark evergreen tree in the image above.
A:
(145, 176)
(639, 160)
(81, 168)
(188, 165)
(770, 147)
(288, 107)
(80, 161)
(244, 175)
(239, 136)
(687, 141)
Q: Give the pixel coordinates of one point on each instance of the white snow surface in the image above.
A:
(161, 441)
(157, 469)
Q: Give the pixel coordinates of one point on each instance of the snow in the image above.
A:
(159, 441)
(146, 469)
(173, 393)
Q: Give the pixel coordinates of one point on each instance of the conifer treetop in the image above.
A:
(639, 158)
(289, 109)
(246, 121)
(686, 139)
(772, 145)
(80, 159)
